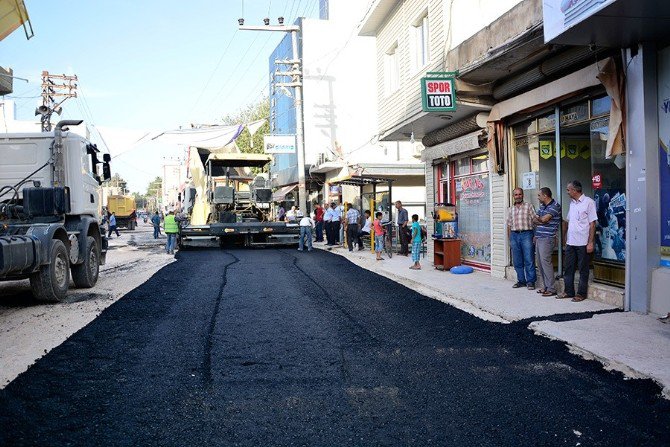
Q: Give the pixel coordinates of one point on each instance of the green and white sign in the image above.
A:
(438, 92)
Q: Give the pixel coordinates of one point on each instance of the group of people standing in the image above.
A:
(534, 234)
(333, 218)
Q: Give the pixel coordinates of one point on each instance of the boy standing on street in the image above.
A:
(379, 235)
(416, 242)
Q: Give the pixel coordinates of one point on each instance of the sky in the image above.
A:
(147, 65)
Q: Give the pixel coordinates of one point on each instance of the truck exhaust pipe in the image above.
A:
(57, 151)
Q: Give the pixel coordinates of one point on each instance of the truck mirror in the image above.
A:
(106, 158)
(106, 170)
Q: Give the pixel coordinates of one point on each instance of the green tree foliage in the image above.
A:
(155, 187)
(117, 181)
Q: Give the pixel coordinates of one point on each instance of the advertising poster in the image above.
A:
(664, 151)
(611, 225)
(474, 222)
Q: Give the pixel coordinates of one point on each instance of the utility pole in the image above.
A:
(295, 75)
(50, 91)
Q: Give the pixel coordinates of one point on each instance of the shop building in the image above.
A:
(532, 111)
(639, 32)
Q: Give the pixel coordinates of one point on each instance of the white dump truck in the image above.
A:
(50, 210)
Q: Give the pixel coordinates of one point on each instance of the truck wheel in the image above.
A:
(85, 275)
(51, 282)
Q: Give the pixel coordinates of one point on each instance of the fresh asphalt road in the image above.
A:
(278, 347)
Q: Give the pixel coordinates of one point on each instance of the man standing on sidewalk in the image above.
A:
(351, 226)
(547, 221)
(318, 219)
(520, 232)
(579, 235)
(403, 218)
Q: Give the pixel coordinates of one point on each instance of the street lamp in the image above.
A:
(296, 83)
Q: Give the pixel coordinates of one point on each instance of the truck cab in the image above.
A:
(50, 210)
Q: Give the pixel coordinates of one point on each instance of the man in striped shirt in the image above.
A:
(520, 232)
(547, 221)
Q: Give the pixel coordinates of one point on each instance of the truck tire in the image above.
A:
(51, 282)
(85, 275)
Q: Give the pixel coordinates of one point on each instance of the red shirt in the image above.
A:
(318, 214)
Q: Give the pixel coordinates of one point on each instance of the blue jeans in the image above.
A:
(171, 241)
(523, 256)
(319, 231)
(305, 232)
(156, 231)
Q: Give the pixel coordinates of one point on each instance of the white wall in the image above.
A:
(469, 16)
(339, 80)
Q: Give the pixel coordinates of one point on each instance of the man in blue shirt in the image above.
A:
(156, 222)
(351, 226)
(112, 226)
(547, 222)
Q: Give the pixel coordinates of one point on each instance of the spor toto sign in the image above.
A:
(438, 94)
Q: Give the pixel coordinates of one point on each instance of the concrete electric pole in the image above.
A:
(296, 82)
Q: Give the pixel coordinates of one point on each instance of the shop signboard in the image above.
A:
(664, 151)
(279, 144)
(438, 92)
(561, 15)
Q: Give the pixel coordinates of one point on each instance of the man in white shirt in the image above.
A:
(365, 231)
(579, 235)
(306, 225)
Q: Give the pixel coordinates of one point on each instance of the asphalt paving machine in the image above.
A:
(226, 200)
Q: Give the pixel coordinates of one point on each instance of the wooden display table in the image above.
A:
(446, 253)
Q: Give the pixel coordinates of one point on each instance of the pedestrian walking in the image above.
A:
(520, 233)
(318, 222)
(351, 226)
(579, 234)
(306, 225)
(112, 226)
(365, 231)
(156, 222)
(416, 242)
(379, 235)
(171, 230)
(546, 222)
(402, 220)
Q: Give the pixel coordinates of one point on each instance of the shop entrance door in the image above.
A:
(580, 155)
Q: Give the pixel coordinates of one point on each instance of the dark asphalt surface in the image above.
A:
(276, 347)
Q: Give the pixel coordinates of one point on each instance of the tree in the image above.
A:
(154, 192)
(118, 182)
(251, 113)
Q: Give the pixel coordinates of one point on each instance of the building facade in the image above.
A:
(339, 113)
(537, 107)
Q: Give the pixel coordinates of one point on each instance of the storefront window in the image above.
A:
(601, 106)
(609, 193)
(584, 129)
(472, 197)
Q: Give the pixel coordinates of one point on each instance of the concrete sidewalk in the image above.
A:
(637, 345)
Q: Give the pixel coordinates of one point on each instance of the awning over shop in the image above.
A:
(280, 194)
(239, 159)
(424, 123)
(465, 143)
(356, 180)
